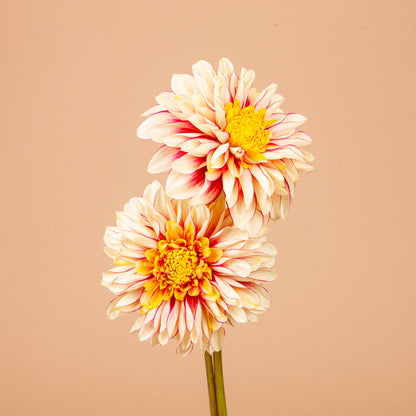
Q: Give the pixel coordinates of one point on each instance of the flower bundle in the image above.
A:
(193, 257)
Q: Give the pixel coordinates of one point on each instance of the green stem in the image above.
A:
(211, 384)
(219, 384)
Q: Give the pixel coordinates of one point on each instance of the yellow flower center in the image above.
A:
(248, 129)
(179, 267)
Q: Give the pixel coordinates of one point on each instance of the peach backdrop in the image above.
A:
(340, 336)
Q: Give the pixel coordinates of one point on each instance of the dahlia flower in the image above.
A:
(219, 133)
(185, 269)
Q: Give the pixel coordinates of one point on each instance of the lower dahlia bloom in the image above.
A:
(219, 133)
(186, 270)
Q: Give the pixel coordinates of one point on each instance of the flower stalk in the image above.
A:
(211, 384)
(219, 384)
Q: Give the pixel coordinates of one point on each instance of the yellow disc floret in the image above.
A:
(180, 267)
(248, 129)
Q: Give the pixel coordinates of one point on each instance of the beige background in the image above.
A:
(340, 336)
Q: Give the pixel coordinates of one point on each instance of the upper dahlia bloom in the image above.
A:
(219, 133)
(185, 270)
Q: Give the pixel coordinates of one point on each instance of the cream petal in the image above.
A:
(228, 181)
(208, 193)
(232, 282)
(201, 108)
(128, 298)
(290, 173)
(246, 184)
(185, 108)
(180, 212)
(163, 158)
(219, 157)
(111, 312)
(256, 223)
(181, 321)
(267, 261)
(275, 213)
(158, 133)
(227, 236)
(111, 252)
(140, 242)
(251, 316)
(138, 323)
(287, 126)
(273, 154)
(226, 290)
(203, 125)
(219, 217)
(265, 96)
(302, 166)
(167, 101)
(277, 177)
(222, 136)
(263, 275)
(238, 314)
(184, 351)
(273, 107)
(199, 216)
(238, 267)
(262, 294)
(225, 68)
(176, 140)
(118, 270)
(254, 262)
(146, 331)
(204, 321)
(242, 214)
(194, 335)
(298, 139)
(268, 249)
(150, 316)
(154, 342)
(244, 85)
(172, 321)
(182, 186)
(234, 162)
(290, 152)
(191, 143)
(264, 202)
(263, 178)
(165, 308)
(249, 298)
(222, 96)
(199, 147)
(150, 192)
(220, 113)
(183, 84)
(234, 196)
(163, 337)
(187, 164)
(125, 222)
(215, 311)
(213, 175)
(163, 204)
(155, 120)
(204, 76)
(153, 110)
(120, 279)
(198, 320)
(189, 316)
(284, 206)
(308, 156)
